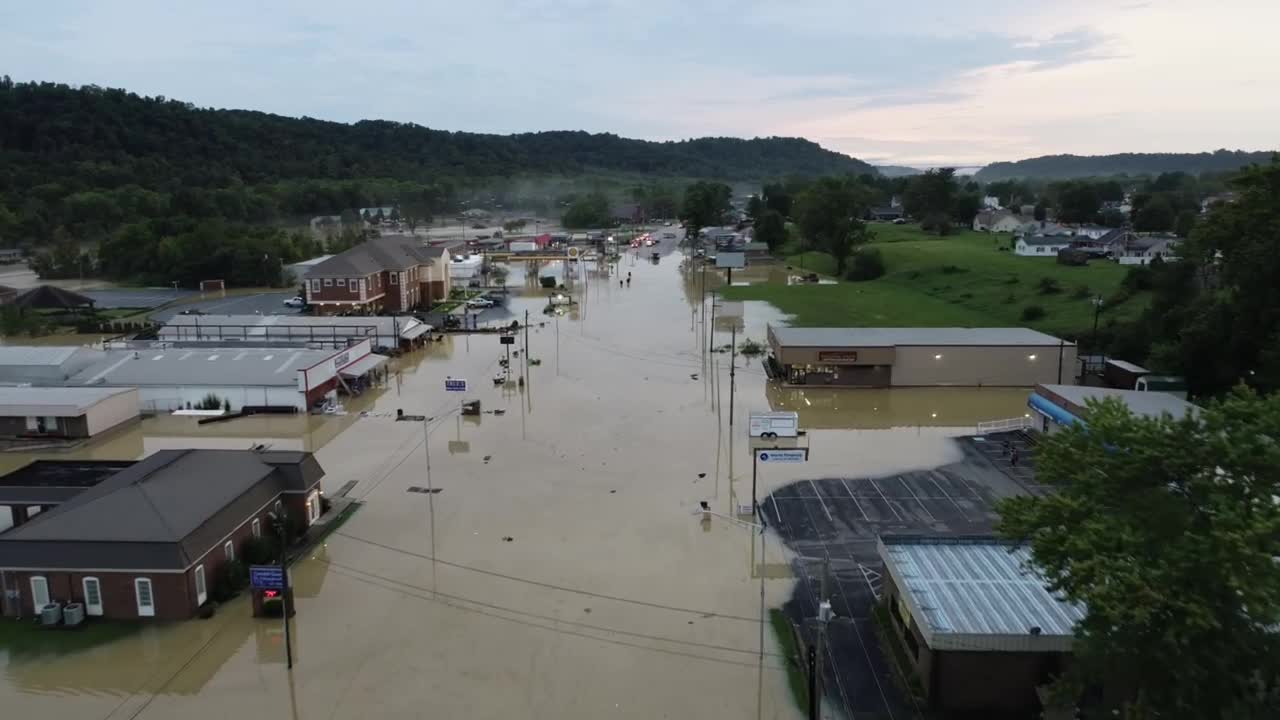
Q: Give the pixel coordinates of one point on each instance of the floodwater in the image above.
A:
(563, 570)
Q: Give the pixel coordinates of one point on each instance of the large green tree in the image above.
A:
(930, 197)
(1078, 202)
(1167, 532)
(706, 204)
(589, 211)
(771, 229)
(830, 215)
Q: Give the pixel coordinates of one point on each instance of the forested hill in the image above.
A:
(120, 137)
(1063, 167)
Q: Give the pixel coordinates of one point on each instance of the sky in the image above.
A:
(911, 82)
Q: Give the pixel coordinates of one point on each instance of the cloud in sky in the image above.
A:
(924, 82)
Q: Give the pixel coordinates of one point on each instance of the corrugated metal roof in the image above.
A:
(186, 366)
(889, 337)
(36, 354)
(978, 594)
(53, 401)
(1146, 403)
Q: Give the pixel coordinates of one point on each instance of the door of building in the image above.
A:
(92, 596)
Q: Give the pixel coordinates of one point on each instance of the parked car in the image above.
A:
(296, 301)
(900, 221)
(480, 302)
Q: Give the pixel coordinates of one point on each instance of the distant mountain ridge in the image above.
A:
(1062, 167)
(894, 171)
(49, 124)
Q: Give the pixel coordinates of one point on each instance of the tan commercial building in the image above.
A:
(59, 412)
(915, 357)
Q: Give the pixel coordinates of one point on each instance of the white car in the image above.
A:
(295, 302)
(480, 302)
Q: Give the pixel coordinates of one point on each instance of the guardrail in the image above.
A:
(1006, 425)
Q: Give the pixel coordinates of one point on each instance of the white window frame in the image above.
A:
(41, 597)
(255, 527)
(91, 608)
(342, 282)
(315, 286)
(202, 588)
(229, 550)
(148, 610)
(328, 282)
(393, 278)
(313, 507)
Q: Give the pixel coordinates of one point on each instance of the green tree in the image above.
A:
(1078, 202)
(1166, 531)
(965, 206)
(777, 198)
(705, 205)
(755, 208)
(771, 229)
(1155, 215)
(1113, 218)
(830, 214)
(1041, 212)
(930, 197)
(589, 211)
(1185, 223)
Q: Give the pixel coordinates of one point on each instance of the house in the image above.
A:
(1222, 198)
(991, 202)
(886, 214)
(980, 629)
(757, 252)
(374, 213)
(1129, 248)
(30, 412)
(1043, 227)
(150, 539)
(998, 221)
(393, 273)
(10, 256)
(1041, 245)
(1093, 232)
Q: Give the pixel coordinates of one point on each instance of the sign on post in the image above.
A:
(507, 340)
(455, 385)
(733, 260)
(782, 456)
(266, 577)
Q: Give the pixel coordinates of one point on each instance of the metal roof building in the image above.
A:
(1058, 406)
(44, 364)
(330, 331)
(64, 412)
(978, 594)
(915, 357)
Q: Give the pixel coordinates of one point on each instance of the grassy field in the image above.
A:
(959, 280)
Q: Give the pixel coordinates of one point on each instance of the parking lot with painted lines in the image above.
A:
(832, 524)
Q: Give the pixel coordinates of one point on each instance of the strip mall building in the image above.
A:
(917, 357)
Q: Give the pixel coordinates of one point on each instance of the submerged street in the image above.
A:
(563, 569)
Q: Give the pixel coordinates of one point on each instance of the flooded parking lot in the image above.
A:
(563, 569)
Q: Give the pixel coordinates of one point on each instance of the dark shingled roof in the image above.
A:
(163, 512)
(52, 297)
(375, 255)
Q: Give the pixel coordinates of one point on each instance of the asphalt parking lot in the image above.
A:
(837, 521)
(260, 303)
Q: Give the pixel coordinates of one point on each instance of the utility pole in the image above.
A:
(285, 603)
(557, 344)
(526, 343)
(824, 615)
(813, 684)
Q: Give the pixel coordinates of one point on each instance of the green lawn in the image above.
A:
(961, 280)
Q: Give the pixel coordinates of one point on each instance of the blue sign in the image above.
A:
(783, 456)
(266, 577)
(455, 385)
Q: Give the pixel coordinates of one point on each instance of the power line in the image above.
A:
(550, 586)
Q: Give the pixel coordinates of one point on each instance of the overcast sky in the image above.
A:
(920, 82)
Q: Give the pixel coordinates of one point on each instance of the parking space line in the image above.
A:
(918, 500)
(886, 500)
(776, 514)
(824, 502)
(855, 500)
(948, 496)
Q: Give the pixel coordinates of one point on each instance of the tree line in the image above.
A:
(1066, 167)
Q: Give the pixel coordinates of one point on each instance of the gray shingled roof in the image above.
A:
(1046, 240)
(889, 337)
(163, 512)
(375, 255)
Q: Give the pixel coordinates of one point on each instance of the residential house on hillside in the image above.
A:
(886, 214)
(1041, 245)
(1129, 248)
(999, 221)
(1043, 227)
(1221, 198)
(1093, 232)
(386, 274)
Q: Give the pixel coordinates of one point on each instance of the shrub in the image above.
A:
(1048, 286)
(953, 269)
(1032, 313)
(867, 264)
(1012, 280)
(751, 348)
(264, 550)
(233, 578)
(1081, 292)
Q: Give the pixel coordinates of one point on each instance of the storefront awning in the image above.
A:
(363, 365)
(415, 332)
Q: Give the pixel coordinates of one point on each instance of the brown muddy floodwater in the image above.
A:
(563, 571)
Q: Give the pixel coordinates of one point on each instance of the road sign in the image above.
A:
(782, 456)
(455, 385)
(733, 260)
(507, 340)
(729, 309)
(266, 577)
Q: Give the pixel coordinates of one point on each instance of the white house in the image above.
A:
(1093, 232)
(1140, 250)
(998, 221)
(991, 202)
(1041, 245)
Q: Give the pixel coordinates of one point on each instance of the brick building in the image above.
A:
(381, 275)
(980, 629)
(146, 539)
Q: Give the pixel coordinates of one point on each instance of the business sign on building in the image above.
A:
(266, 577)
(327, 369)
(840, 356)
(455, 385)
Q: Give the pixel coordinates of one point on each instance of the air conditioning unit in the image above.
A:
(73, 614)
(50, 614)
